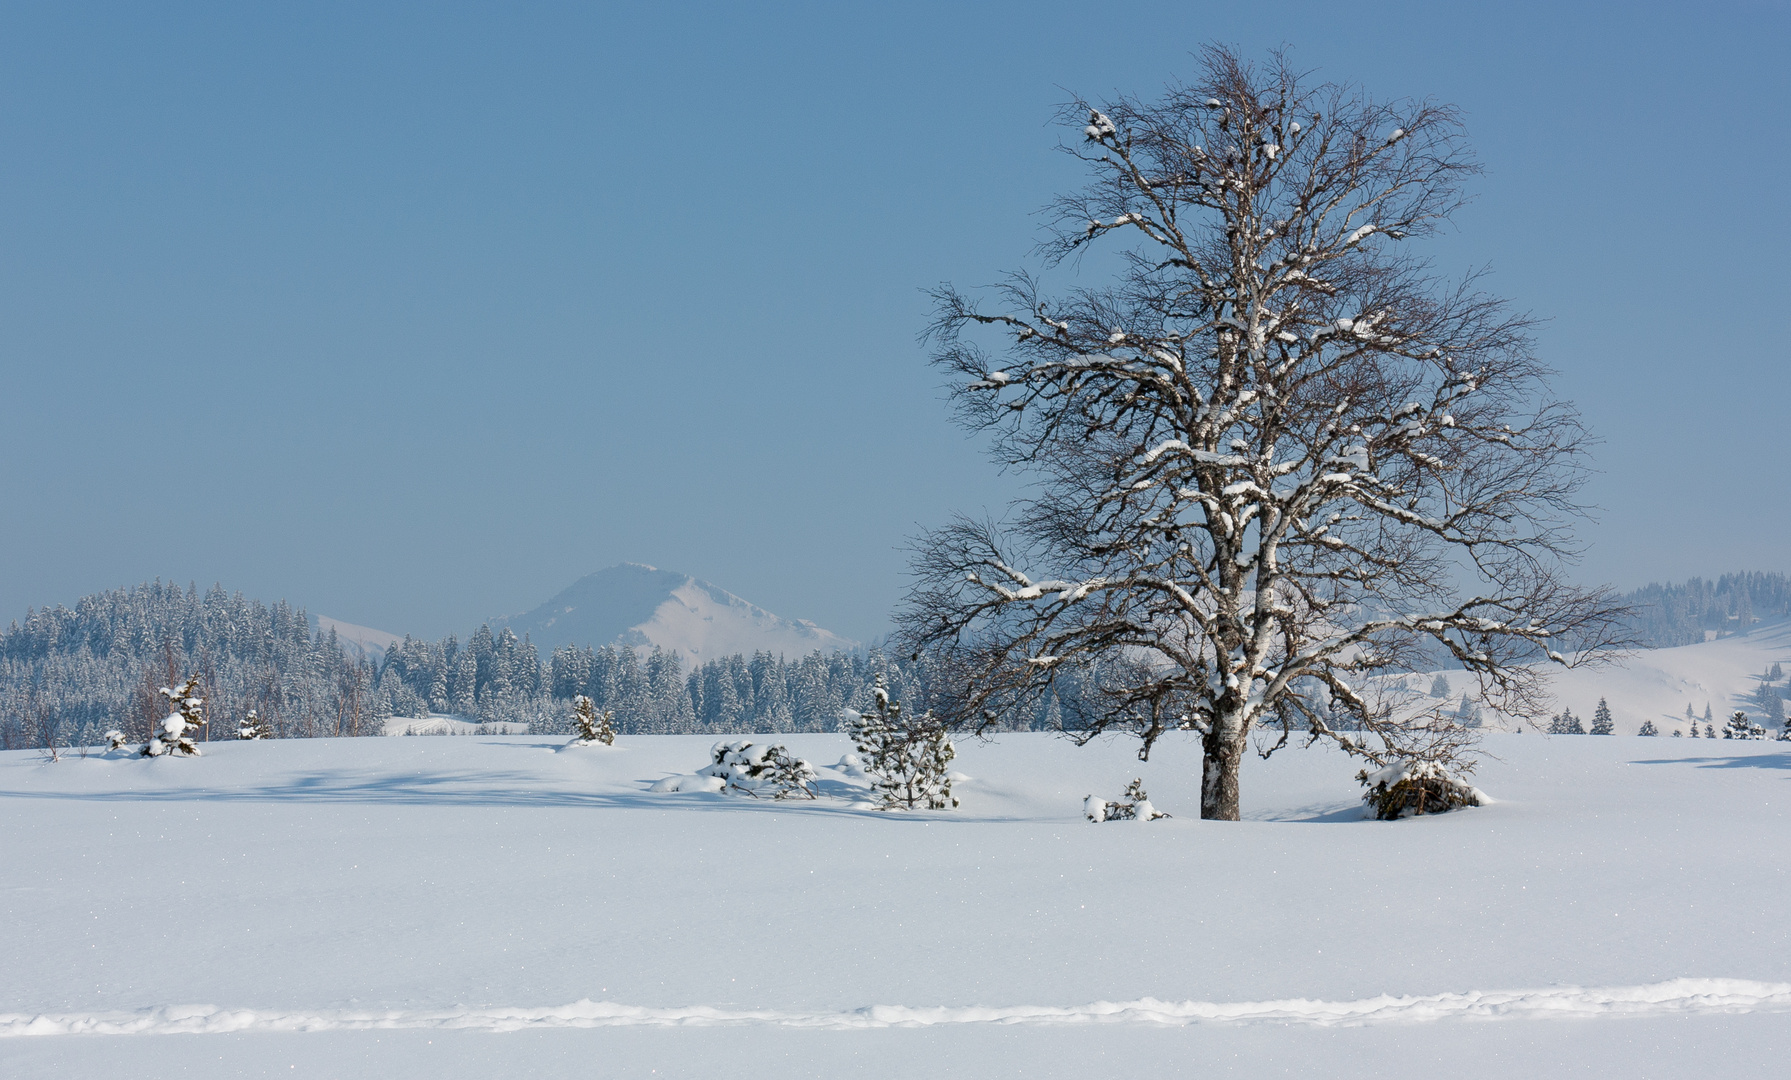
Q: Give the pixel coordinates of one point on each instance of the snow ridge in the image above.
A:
(1677, 997)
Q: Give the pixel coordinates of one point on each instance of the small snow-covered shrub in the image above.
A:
(907, 759)
(1413, 787)
(1134, 805)
(115, 739)
(1648, 728)
(253, 727)
(185, 713)
(594, 725)
(1740, 727)
(761, 770)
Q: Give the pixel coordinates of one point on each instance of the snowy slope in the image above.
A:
(364, 640)
(641, 605)
(1657, 684)
(478, 906)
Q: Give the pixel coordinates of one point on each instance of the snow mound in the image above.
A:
(1677, 997)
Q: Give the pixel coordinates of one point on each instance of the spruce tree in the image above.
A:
(253, 727)
(1648, 728)
(907, 758)
(1439, 686)
(1601, 719)
(186, 712)
(593, 724)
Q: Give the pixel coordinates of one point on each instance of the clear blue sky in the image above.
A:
(413, 314)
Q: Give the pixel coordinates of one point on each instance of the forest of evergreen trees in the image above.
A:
(67, 676)
(1683, 614)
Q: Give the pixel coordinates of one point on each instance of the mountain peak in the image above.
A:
(641, 605)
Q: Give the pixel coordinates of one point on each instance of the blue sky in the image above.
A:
(413, 314)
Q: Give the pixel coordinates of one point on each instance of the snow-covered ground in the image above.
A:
(1657, 684)
(478, 906)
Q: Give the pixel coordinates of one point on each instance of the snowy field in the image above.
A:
(483, 905)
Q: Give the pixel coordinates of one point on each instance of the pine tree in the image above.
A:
(907, 758)
(1648, 728)
(1566, 724)
(593, 724)
(751, 769)
(1775, 673)
(1439, 686)
(186, 712)
(1134, 805)
(1601, 719)
(1709, 732)
(1740, 727)
(253, 727)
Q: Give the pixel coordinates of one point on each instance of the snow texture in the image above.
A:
(1674, 998)
(396, 906)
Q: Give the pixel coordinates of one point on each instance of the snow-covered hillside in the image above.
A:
(357, 640)
(478, 906)
(641, 605)
(1657, 684)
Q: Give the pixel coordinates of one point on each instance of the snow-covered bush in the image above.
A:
(1412, 787)
(116, 739)
(761, 770)
(186, 712)
(253, 727)
(1648, 728)
(907, 759)
(1134, 805)
(1740, 727)
(594, 725)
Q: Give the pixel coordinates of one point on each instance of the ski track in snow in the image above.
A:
(1678, 997)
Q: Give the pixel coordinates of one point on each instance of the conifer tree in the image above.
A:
(253, 727)
(1601, 719)
(907, 758)
(186, 712)
(1439, 686)
(594, 724)
(1648, 728)
(1740, 727)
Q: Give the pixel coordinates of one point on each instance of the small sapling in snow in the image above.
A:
(761, 770)
(1648, 728)
(594, 725)
(186, 713)
(254, 727)
(1134, 805)
(1412, 787)
(1740, 727)
(907, 758)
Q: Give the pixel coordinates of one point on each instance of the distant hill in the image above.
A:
(639, 605)
(359, 640)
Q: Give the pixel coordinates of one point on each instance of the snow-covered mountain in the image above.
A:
(362, 640)
(641, 605)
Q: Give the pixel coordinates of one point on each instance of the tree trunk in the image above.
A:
(1219, 777)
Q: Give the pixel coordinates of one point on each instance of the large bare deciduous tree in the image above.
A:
(1277, 457)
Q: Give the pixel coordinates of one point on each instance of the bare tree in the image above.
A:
(1276, 456)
